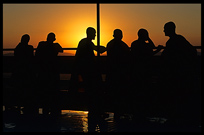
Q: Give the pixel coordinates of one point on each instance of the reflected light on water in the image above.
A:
(82, 117)
(85, 124)
(74, 112)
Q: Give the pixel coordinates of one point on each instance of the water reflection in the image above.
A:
(77, 121)
(85, 124)
(74, 121)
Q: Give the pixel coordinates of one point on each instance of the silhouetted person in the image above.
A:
(48, 74)
(23, 75)
(86, 66)
(179, 60)
(141, 69)
(117, 76)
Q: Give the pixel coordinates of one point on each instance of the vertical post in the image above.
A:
(98, 30)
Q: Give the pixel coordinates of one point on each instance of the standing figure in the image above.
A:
(23, 75)
(48, 74)
(87, 68)
(117, 77)
(179, 59)
(141, 70)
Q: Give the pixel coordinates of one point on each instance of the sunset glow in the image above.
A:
(69, 22)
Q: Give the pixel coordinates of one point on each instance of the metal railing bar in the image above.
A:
(12, 49)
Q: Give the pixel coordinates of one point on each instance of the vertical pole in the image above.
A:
(98, 30)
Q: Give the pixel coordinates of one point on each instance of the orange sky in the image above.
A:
(69, 22)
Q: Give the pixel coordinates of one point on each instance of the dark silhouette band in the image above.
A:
(129, 76)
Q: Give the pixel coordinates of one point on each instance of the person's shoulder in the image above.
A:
(58, 47)
(110, 42)
(30, 46)
(57, 44)
(182, 40)
(18, 46)
(42, 43)
(123, 43)
(83, 41)
(134, 43)
(178, 36)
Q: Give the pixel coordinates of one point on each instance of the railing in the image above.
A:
(67, 61)
(10, 49)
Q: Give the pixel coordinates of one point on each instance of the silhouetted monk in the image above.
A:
(141, 69)
(117, 70)
(48, 73)
(87, 67)
(178, 76)
(23, 75)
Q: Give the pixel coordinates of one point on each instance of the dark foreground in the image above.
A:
(74, 121)
(77, 121)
